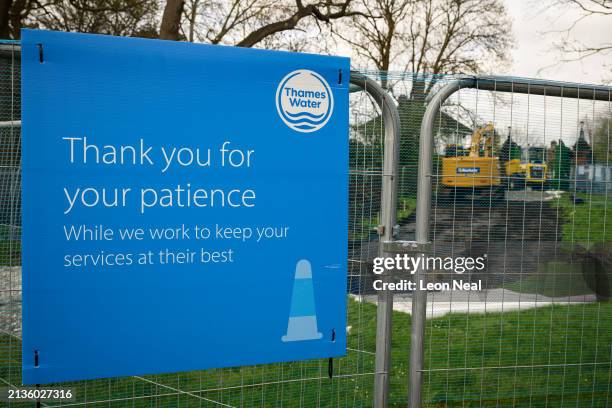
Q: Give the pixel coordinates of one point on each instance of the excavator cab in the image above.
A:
(530, 171)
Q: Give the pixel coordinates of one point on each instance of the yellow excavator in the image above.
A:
(474, 170)
(528, 172)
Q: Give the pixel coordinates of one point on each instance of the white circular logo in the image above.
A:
(304, 101)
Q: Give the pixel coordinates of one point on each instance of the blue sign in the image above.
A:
(184, 206)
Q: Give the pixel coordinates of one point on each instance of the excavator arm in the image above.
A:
(479, 134)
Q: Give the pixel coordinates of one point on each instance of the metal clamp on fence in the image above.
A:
(406, 247)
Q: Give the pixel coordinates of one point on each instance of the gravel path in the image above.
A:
(486, 301)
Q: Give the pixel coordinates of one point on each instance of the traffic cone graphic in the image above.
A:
(303, 316)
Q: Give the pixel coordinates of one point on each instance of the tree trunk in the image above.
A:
(171, 20)
(384, 68)
(5, 10)
(192, 20)
(19, 12)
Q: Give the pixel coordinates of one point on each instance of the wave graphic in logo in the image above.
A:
(304, 101)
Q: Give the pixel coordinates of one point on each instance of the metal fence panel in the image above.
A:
(295, 384)
(538, 332)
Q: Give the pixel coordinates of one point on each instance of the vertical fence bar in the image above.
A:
(388, 210)
(423, 209)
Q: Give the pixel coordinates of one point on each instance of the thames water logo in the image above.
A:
(304, 101)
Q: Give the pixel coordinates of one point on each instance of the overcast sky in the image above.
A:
(536, 120)
(534, 25)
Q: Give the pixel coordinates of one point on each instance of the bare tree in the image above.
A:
(115, 17)
(228, 22)
(430, 36)
(376, 33)
(326, 11)
(5, 14)
(459, 36)
(13, 13)
(573, 50)
(192, 7)
(247, 23)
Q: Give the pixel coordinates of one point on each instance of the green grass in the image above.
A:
(406, 207)
(547, 338)
(10, 253)
(589, 222)
(554, 279)
(547, 355)
(10, 246)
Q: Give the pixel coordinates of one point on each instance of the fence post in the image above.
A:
(388, 208)
(423, 209)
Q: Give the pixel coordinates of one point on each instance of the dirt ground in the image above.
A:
(518, 238)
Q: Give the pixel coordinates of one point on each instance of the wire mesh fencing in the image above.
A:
(519, 274)
(520, 180)
(294, 384)
(10, 212)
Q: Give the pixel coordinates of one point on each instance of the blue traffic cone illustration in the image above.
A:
(303, 316)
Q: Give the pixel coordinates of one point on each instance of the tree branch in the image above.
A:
(291, 22)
